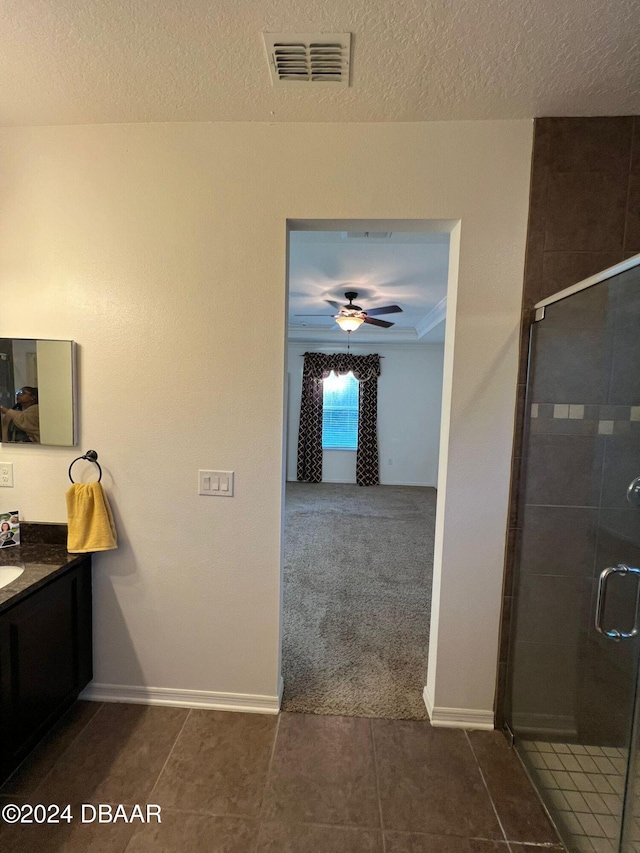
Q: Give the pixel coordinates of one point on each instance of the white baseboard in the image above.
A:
(212, 700)
(457, 718)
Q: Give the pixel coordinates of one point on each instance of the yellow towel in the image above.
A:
(91, 526)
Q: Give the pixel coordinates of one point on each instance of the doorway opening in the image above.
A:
(359, 522)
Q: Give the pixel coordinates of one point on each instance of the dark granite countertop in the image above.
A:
(41, 562)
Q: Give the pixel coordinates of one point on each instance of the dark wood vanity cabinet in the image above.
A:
(45, 660)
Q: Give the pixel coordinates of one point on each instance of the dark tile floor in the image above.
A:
(247, 783)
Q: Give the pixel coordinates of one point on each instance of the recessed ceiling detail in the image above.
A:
(296, 59)
(404, 275)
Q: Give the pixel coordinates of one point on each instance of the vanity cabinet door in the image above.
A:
(45, 660)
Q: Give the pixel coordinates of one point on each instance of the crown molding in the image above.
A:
(437, 314)
(336, 337)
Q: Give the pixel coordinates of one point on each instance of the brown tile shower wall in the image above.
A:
(584, 216)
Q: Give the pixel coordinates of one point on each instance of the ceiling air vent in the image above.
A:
(296, 59)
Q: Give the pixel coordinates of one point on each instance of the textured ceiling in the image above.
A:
(405, 269)
(68, 62)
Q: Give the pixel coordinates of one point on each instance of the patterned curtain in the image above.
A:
(317, 366)
(310, 429)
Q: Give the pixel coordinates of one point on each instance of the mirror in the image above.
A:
(37, 392)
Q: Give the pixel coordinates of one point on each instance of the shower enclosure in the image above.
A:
(572, 697)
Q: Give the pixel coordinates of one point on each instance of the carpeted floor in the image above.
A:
(357, 599)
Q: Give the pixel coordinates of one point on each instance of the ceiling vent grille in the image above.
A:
(303, 59)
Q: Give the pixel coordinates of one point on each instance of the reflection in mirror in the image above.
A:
(37, 400)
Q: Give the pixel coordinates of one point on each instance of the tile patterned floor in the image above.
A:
(584, 787)
(246, 783)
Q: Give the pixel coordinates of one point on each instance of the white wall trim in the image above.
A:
(437, 314)
(334, 337)
(457, 718)
(428, 700)
(209, 699)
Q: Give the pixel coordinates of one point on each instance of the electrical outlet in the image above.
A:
(6, 475)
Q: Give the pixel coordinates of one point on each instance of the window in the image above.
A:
(340, 412)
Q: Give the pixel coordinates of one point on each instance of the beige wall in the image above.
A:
(161, 249)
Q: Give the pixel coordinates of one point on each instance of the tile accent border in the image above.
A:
(584, 419)
(208, 699)
(584, 411)
(458, 718)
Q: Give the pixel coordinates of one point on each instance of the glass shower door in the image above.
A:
(575, 648)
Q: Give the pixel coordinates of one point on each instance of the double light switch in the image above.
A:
(215, 483)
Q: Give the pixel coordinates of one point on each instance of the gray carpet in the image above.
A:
(357, 598)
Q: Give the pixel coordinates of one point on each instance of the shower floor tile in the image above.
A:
(584, 791)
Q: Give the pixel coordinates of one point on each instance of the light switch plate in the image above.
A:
(216, 483)
(6, 475)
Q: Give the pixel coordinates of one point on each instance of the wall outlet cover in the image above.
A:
(6, 475)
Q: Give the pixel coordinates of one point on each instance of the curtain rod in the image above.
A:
(342, 353)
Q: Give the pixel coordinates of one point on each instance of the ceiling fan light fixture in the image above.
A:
(349, 324)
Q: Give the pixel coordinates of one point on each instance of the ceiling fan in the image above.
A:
(350, 316)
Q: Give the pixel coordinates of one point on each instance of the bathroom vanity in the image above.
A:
(45, 642)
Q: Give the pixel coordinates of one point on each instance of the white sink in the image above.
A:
(8, 574)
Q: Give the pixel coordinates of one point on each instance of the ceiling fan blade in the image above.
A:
(383, 323)
(333, 304)
(387, 309)
(313, 315)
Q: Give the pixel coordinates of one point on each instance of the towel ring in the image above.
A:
(90, 456)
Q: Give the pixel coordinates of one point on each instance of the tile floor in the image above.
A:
(247, 783)
(584, 786)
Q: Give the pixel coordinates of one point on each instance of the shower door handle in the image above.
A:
(613, 633)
